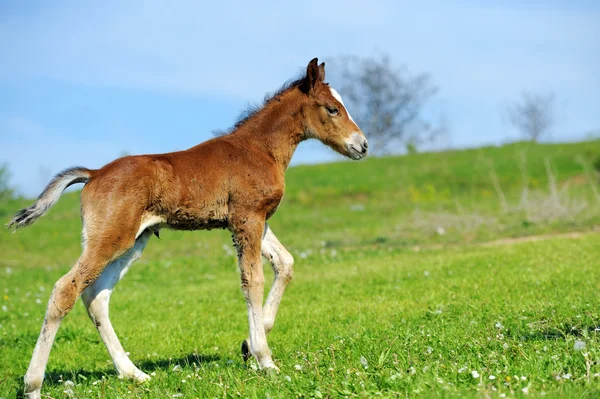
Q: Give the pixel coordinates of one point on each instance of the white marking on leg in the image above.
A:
(258, 338)
(96, 299)
(253, 285)
(282, 262)
(35, 373)
(52, 319)
(337, 96)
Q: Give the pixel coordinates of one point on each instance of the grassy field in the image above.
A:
(411, 279)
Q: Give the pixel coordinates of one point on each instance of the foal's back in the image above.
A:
(195, 189)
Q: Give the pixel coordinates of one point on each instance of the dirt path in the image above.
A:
(542, 237)
(510, 241)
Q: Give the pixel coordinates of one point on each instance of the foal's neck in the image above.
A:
(277, 128)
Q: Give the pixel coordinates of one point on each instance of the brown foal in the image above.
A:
(235, 181)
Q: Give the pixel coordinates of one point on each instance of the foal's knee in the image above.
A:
(286, 267)
(268, 323)
(63, 297)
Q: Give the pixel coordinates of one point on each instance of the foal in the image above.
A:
(235, 181)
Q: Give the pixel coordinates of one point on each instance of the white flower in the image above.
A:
(69, 383)
(38, 301)
(462, 370)
(579, 345)
(525, 390)
(426, 273)
(523, 378)
(475, 374)
(492, 377)
(364, 362)
(298, 367)
(499, 326)
(177, 368)
(429, 350)
(288, 378)
(357, 208)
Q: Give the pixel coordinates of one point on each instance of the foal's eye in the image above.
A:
(332, 110)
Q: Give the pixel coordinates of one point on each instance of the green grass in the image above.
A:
(381, 304)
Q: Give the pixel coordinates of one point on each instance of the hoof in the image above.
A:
(32, 395)
(246, 350)
(136, 375)
(141, 377)
(270, 368)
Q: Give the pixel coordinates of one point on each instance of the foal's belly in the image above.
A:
(183, 218)
(196, 219)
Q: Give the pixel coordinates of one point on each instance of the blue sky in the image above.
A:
(82, 82)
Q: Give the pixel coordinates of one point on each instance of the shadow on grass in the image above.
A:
(557, 333)
(185, 361)
(57, 377)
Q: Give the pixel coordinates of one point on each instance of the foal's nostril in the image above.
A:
(366, 144)
(364, 150)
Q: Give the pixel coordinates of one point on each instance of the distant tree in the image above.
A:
(6, 192)
(533, 115)
(386, 102)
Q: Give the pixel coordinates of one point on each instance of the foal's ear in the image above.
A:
(313, 75)
(322, 72)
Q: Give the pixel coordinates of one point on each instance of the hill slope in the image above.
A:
(422, 199)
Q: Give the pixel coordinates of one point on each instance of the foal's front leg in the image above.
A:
(282, 263)
(247, 239)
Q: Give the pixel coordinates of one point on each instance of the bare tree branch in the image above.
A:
(386, 102)
(533, 115)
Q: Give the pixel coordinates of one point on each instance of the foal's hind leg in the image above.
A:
(96, 298)
(66, 291)
(282, 263)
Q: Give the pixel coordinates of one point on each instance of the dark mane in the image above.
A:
(253, 109)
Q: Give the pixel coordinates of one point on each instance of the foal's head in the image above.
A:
(326, 117)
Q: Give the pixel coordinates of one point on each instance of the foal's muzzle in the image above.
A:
(357, 146)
